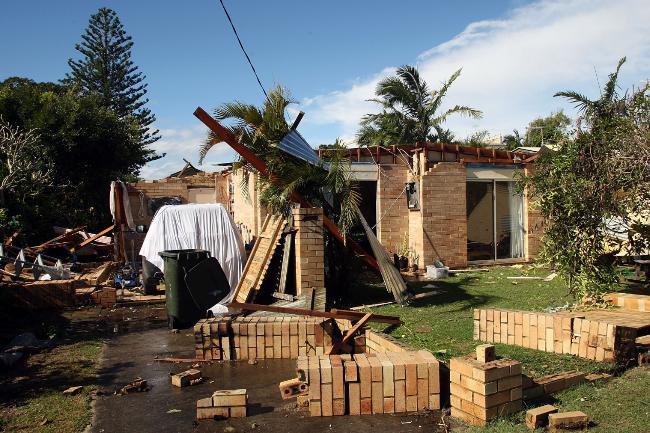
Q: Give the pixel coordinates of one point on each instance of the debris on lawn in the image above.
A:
(187, 378)
(137, 385)
(73, 390)
(549, 277)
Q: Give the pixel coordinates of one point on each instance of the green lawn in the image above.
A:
(31, 399)
(36, 401)
(443, 324)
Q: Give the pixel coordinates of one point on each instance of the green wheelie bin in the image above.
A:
(182, 311)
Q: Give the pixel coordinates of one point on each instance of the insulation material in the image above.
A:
(197, 226)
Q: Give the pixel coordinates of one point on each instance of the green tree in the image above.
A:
(83, 144)
(106, 69)
(410, 111)
(547, 130)
(594, 183)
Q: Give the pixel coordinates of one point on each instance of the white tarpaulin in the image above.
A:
(197, 226)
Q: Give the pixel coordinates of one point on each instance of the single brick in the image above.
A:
(486, 353)
(567, 421)
(538, 417)
(229, 397)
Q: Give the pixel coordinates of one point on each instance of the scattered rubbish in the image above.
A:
(549, 277)
(174, 411)
(252, 361)
(45, 421)
(73, 390)
(137, 385)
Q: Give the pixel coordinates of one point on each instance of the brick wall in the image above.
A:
(245, 207)
(141, 192)
(564, 333)
(443, 215)
(391, 208)
(309, 242)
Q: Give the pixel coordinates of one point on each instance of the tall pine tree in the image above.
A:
(106, 69)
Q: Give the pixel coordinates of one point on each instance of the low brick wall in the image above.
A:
(629, 301)
(257, 337)
(378, 342)
(40, 295)
(390, 382)
(558, 333)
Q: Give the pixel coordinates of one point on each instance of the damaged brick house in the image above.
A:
(442, 202)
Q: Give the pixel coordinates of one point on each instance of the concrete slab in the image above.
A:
(132, 355)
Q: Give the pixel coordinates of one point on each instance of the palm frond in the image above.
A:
(579, 100)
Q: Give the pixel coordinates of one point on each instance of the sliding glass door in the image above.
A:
(495, 226)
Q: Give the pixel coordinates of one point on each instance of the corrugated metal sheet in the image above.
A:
(294, 144)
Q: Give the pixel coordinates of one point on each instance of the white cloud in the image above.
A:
(512, 66)
(182, 143)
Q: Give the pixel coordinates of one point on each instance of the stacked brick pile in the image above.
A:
(223, 404)
(558, 333)
(285, 337)
(390, 382)
(484, 388)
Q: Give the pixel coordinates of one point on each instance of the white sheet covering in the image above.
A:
(197, 226)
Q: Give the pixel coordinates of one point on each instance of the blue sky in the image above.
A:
(514, 54)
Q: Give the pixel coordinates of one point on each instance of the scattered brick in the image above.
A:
(538, 417)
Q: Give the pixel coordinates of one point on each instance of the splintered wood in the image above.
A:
(260, 257)
(282, 337)
(371, 383)
(606, 335)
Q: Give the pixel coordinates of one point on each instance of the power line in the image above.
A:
(243, 49)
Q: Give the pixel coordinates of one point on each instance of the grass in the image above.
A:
(32, 399)
(443, 324)
(619, 406)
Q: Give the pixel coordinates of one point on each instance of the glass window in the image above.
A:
(494, 221)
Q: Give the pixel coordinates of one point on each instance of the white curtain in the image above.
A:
(516, 222)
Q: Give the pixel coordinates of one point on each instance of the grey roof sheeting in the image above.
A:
(294, 144)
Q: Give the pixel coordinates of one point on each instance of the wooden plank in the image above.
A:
(334, 314)
(92, 238)
(59, 238)
(286, 255)
(337, 346)
(258, 262)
